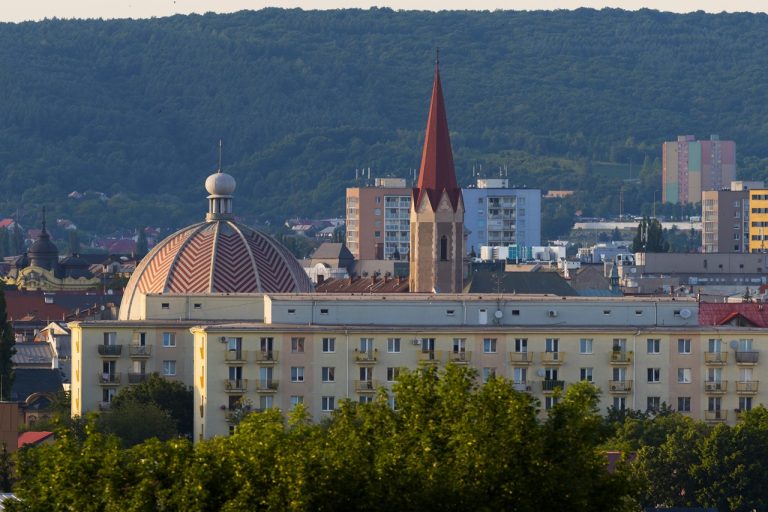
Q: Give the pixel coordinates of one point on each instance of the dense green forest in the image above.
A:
(134, 108)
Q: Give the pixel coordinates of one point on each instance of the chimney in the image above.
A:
(320, 278)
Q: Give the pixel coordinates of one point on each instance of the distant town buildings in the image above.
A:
(725, 218)
(690, 167)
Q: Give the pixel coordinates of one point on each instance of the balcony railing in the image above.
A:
(366, 356)
(366, 386)
(716, 386)
(236, 356)
(137, 377)
(620, 386)
(747, 386)
(521, 357)
(110, 350)
(236, 385)
(460, 357)
(139, 350)
(552, 357)
(718, 415)
(621, 357)
(267, 356)
(109, 379)
(266, 385)
(551, 385)
(523, 386)
(430, 356)
(104, 406)
(750, 357)
(716, 357)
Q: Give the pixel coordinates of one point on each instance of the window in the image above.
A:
(450, 312)
(296, 400)
(393, 345)
(443, 248)
(488, 373)
(169, 368)
(654, 403)
(551, 345)
(377, 234)
(328, 374)
(197, 305)
(520, 375)
(585, 346)
(110, 338)
(366, 399)
(169, 339)
(291, 311)
(745, 403)
(392, 374)
(329, 345)
(654, 374)
(377, 211)
(515, 312)
(585, 374)
(683, 375)
(550, 402)
(521, 344)
(328, 403)
(489, 345)
(366, 345)
(266, 402)
(606, 311)
(654, 346)
(683, 346)
(459, 345)
(323, 311)
(684, 404)
(297, 374)
(297, 345)
(619, 403)
(165, 305)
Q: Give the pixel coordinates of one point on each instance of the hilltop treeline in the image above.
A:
(134, 108)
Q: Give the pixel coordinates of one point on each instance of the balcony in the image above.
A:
(520, 357)
(104, 406)
(716, 386)
(747, 387)
(549, 386)
(430, 356)
(109, 379)
(460, 357)
(523, 386)
(140, 351)
(750, 357)
(551, 358)
(366, 386)
(236, 356)
(718, 415)
(137, 377)
(620, 386)
(621, 357)
(235, 385)
(716, 358)
(266, 385)
(366, 356)
(110, 350)
(267, 356)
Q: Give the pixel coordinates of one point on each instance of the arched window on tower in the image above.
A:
(443, 248)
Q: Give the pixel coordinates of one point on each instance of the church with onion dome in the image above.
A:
(40, 268)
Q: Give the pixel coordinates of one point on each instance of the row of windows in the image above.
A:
(328, 374)
(169, 338)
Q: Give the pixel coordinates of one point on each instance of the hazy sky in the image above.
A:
(20, 10)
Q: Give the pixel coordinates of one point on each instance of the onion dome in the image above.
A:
(215, 256)
(43, 253)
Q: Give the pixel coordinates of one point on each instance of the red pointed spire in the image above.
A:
(437, 173)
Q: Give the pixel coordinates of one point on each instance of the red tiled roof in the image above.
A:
(21, 304)
(437, 174)
(33, 438)
(719, 313)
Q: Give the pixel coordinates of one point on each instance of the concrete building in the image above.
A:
(725, 221)
(690, 167)
(378, 220)
(758, 220)
(499, 216)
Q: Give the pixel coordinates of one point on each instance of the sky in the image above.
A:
(23, 10)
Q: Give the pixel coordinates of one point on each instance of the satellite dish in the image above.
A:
(685, 313)
(734, 344)
(498, 314)
(540, 373)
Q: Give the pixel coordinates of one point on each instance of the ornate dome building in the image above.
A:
(215, 256)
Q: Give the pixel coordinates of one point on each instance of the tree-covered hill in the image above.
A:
(135, 108)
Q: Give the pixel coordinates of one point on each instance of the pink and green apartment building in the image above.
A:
(691, 166)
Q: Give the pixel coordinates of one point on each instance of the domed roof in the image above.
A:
(43, 246)
(216, 256)
(220, 184)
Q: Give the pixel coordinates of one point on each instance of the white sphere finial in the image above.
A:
(220, 184)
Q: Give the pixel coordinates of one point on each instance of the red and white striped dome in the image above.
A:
(216, 256)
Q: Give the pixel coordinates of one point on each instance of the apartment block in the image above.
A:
(690, 167)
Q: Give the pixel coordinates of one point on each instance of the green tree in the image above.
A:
(73, 241)
(7, 350)
(135, 422)
(6, 470)
(141, 242)
(17, 240)
(649, 237)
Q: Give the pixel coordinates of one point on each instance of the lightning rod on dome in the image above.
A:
(220, 145)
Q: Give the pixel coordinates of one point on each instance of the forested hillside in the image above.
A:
(135, 108)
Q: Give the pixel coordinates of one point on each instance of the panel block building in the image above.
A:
(690, 167)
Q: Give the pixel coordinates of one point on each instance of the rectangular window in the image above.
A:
(654, 374)
(684, 404)
(366, 345)
(619, 403)
(745, 403)
(328, 403)
(393, 345)
(323, 311)
(683, 346)
(329, 345)
(654, 346)
(459, 345)
(488, 373)
(654, 403)
(489, 345)
(585, 346)
(585, 374)
(551, 345)
(297, 345)
(520, 375)
(266, 402)
(521, 344)
(197, 305)
(683, 375)
(392, 374)
(328, 374)
(169, 368)
(297, 374)
(550, 402)
(165, 305)
(169, 339)
(296, 400)
(110, 338)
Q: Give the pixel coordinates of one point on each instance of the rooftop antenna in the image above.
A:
(220, 146)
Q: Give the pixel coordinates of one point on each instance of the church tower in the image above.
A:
(437, 209)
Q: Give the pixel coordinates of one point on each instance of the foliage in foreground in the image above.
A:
(450, 445)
